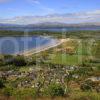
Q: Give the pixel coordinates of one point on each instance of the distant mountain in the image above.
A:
(50, 25)
(68, 18)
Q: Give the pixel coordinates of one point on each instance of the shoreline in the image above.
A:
(44, 48)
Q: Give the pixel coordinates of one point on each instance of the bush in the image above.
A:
(55, 90)
(19, 61)
(1, 84)
(88, 85)
(8, 59)
(2, 63)
(85, 87)
(31, 61)
(8, 91)
(22, 94)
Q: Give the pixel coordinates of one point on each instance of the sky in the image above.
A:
(16, 8)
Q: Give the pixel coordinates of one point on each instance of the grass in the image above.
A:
(24, 69)
(75, 59)
(76, 95)
(84, 51)
(65, 59)
(85, 96)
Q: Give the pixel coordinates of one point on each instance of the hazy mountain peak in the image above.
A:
(68, 18)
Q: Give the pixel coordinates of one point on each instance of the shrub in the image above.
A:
(1, 84)
(8, 59)
(22, 94)
(88, 85)
(8, 91)
(55, 90)
(31, 61)
(19, 61)
(85, 87)
(2, 61)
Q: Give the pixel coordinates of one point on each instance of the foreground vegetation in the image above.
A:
(70, 71)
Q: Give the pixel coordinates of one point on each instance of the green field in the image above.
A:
(66, 59)
(84, 52)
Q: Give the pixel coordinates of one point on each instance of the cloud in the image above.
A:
(4, 1)
(34, 1)
(78, 17)
(41, 7)
(46, 9)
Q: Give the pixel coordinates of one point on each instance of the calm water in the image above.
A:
(12, 45)
(52, 29)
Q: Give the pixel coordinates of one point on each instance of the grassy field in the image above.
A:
(65, 59)
(83, 52)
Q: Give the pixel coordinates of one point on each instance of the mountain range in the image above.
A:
(50, 25)
(54, 20)
(68, 18)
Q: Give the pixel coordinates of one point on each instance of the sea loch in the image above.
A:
(16, 45)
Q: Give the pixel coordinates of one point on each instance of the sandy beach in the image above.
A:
(44, 48)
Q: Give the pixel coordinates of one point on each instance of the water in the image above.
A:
(16, 45)
(51, 29)
(12, 45)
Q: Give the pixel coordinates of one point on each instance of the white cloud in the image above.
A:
(81, 17)
(46, 9)
(90, 13)
(34, 1)
(4, 1)
(41, 7)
